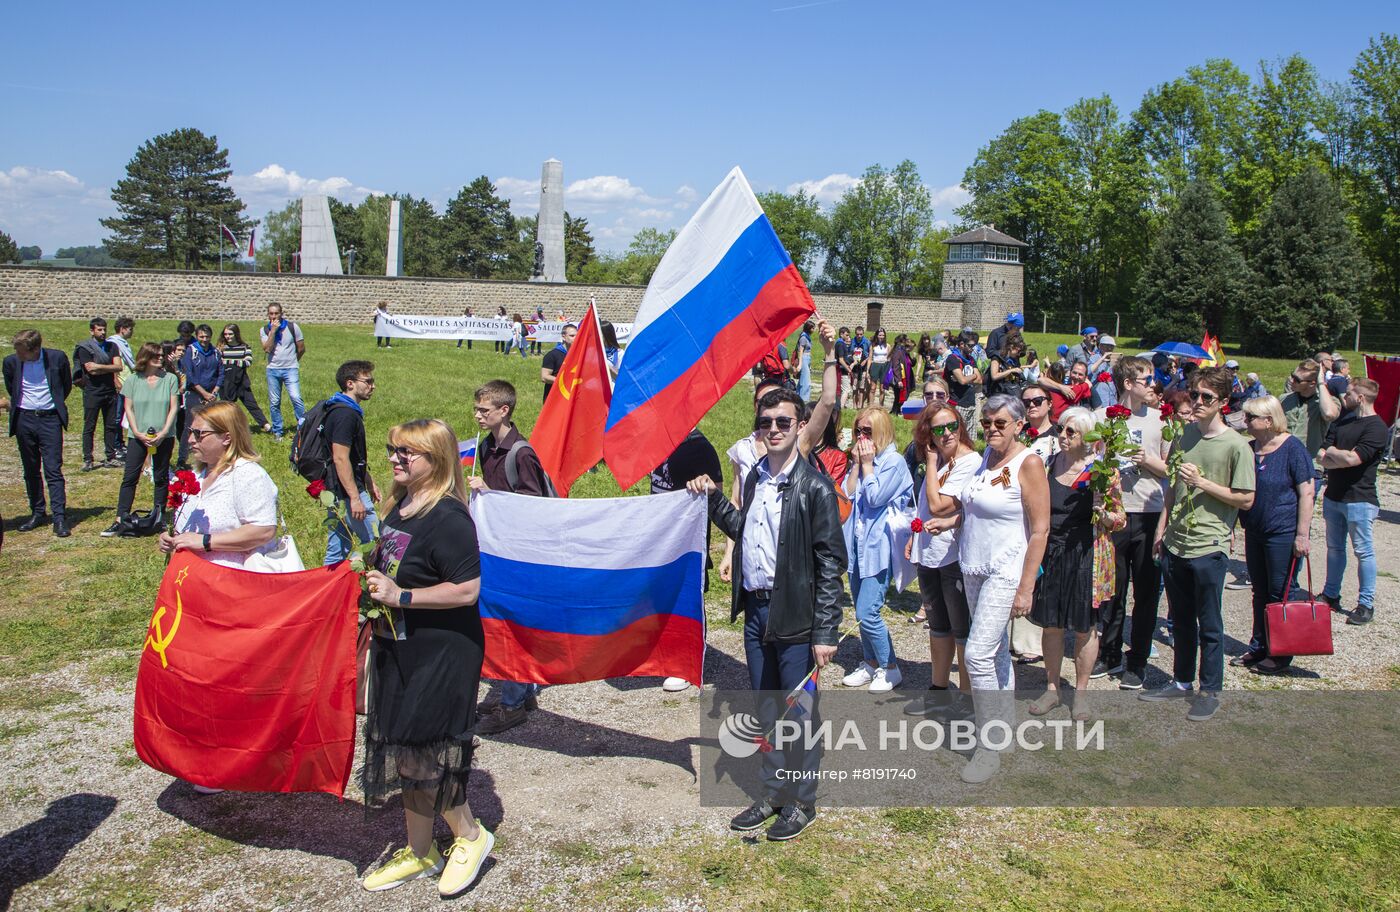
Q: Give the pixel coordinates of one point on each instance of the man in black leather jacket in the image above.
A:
(789, 556)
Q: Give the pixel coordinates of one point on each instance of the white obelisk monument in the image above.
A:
(549, 233)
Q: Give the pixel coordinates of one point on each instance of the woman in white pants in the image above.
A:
(1006, 519)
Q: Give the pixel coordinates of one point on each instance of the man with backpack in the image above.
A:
(97, 364)
(507, 463)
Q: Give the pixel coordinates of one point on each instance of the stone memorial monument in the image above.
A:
(393, 260)
(549, 232)
(319, 253)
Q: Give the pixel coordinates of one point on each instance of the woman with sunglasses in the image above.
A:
(235, 512)
(877, 483)
(951, 461)
(427, 663)
(1065, 594)
(1006, 519)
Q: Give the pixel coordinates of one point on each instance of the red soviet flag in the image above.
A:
(1386, 373)
(247, 680)
(568, 436)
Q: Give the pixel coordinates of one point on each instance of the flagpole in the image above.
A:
(221, 247)
(476, 448)
(598, 327)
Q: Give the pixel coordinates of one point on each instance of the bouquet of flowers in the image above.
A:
(184, 486)
(335, 518)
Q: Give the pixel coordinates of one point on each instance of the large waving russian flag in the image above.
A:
(581, 590)
(725, 294)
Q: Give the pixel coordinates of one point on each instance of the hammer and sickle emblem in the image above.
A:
(159, 639)
(1004, 479)
(568, 388)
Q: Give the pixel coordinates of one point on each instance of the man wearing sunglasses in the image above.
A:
(787, 585)
(350, 480)
(1214, 482)
(1310, 409)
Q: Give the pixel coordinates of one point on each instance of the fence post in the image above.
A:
(1117, 325)
(1044, 319)
(1358, 336)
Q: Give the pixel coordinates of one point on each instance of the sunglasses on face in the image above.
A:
(1035, 401)
(400, 453)
(200, 433)
(935, 394)
(782, 423)
(864, 431)
(1203, 398)
(999, 423)
(939, 430)
(1297, 380)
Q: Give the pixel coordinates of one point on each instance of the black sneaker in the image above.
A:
(791, 822)
(1363, 615)
(753, 817)
(1203, 707)
(1131, 680)
(88, 466)
(1101, 669)
(1168, 691)
(957, 709)
(502, 720)
(1335, 603)
(931, 703)
(114, 529)
(111, 463)
(1239, 582)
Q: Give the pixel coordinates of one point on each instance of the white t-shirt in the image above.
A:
(880, 354)
(942, 549)
(243, 495)
(284, 353)
(1142, 491)
(744, 456)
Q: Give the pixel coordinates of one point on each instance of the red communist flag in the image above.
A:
(1387, 375)
(568, 436)
(247, 680)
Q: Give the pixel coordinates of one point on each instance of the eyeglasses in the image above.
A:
(935, 394)
(1000, 423)
(200, 433)
(939, 430)
(864, 431)
(1249, 417)
(1296, 380)
(1035, 401)
(1203, 398)
(401, 453)
(1143, 381)
(485, 409)
(782, 423)
(367, 381)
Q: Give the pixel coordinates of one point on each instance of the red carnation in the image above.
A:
(1118, 411)
(917, 525)
(1105, 377)
(315, 488)
(1168, 410)
(186, 482)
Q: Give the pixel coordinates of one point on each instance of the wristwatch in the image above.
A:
(405, 598)
(206, 541)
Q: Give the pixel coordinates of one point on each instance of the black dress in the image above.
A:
(426, 671)
(1064, 591)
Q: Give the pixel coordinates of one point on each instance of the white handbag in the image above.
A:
(283, 558)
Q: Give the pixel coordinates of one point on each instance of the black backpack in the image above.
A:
(311, 448)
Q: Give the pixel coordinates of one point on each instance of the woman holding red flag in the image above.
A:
(426, 657)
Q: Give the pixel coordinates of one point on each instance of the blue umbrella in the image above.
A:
(1184, 350)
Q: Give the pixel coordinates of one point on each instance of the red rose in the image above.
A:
(1031, 433)
(1168, 410)
(1105, 377)
(315, 488)
(917, 525)
(1225, 409)
(1117, 411)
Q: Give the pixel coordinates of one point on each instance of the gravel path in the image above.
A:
(600, 769)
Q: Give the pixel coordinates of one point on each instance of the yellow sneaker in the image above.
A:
(403, 867)
(464, 860)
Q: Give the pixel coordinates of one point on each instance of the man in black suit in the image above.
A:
(38, 380)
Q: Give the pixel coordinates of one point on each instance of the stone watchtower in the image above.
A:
(984, 272)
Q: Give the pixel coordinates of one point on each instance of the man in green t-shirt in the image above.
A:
(1214, 480)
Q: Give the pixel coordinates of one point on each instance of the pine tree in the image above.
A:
(1193, 272)
(479, 229)
(9, 251)
(172, 201)
(1308, 275)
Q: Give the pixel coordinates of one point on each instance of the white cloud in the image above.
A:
(826, 190)
(51, 208)
(606, 188)
(686, 193)
(274, 185)
(946, 199)
(524, 194)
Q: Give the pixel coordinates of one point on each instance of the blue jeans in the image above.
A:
(278, 377)
(776, 669)
(868, 592)
(1268, 557)
(1354, 520)
(513, 693)
(804, 376)
(1194, 589)
(338, 543)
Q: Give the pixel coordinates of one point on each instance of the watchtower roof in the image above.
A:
(986, 234)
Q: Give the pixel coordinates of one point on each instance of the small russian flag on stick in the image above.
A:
(466, 452)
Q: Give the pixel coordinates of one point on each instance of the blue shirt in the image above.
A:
(202, 368)
(885, 489)
(1276, 480)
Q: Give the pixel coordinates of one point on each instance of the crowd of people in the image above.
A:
(1012, 545)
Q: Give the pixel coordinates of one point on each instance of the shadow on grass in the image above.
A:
(33, 851)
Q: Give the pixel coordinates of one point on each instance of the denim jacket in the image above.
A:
(889, 487)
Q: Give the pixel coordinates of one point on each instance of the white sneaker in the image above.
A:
(205, 790)
(862, 676)
(886, 679)
(675, 685)
(983, 766)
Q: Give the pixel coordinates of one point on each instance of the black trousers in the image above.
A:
(1132, 548)
(468, 341)
(243, 393)
(131, 476)
(103, 404)
(40, 438)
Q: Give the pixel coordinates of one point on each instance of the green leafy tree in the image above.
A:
(478, 230)
(798, 221)
(928, 267)
(857, 249)
(372, 220)
(9, 252)
(1308, 277)
(519, 263)
(643, 255)
(910, 218)
(172, 201)
(423, 244)
(1193, 273)
(1374, 172)
(32, 252)
(89, 255)
(279, 241)
(578, 246)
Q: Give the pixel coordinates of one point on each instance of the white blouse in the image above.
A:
(995, 530)
(243, 495)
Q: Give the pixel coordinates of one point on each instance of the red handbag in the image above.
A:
(1302, 627)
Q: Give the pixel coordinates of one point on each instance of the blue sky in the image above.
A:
(648, 105)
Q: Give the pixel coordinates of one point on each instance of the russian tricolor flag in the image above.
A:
(466, 453)
(725, 294)
(580, 590)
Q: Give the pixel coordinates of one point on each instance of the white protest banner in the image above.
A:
(409, 326)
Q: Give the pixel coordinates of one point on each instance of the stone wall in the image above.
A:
(36, 292)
